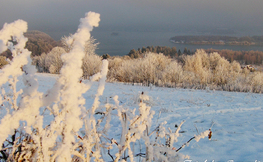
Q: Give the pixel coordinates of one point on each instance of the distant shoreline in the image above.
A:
(218, 40)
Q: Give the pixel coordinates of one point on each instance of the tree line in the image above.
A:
(243, 57)
(212, 38)
(167, 51)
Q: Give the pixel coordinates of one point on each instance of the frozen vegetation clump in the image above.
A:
(199, 71)
(52, 61)
(56, 126)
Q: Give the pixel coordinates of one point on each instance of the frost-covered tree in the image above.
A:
(201, 70)
(199, 65)
(39, 62)
(53, 61)
(145, 70)
(172, 75)
(91, 65)
(91, 62)
(114, 66)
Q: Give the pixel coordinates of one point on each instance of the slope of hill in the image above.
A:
(38, 43)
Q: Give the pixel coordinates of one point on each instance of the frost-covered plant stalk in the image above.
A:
(65, 97)
(27, 108)
(73, 132)
(29, 95)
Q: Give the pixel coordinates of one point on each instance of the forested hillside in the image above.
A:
(38, 43)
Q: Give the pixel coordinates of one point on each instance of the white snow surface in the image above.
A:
(234, 118)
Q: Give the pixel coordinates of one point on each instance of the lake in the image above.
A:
(119, 43)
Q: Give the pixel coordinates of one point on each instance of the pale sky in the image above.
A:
(53, 16)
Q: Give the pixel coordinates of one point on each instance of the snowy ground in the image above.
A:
(236, 118)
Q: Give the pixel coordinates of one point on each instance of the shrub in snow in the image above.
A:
(91, 65)
(53, 60)
(172, 75)
(3, 61)
(199, 65)
(39, 62)
(201, 70)
(147, 70)
(211, 68)
(74, 132)
(254, 82)
(114, 66)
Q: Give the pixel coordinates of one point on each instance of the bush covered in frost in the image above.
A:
(201, 71)
(55, 125)
(52, 62)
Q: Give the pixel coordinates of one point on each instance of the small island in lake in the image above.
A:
(114, 34)
(218, 40)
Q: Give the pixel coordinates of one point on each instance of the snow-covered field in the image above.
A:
(235, 118)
